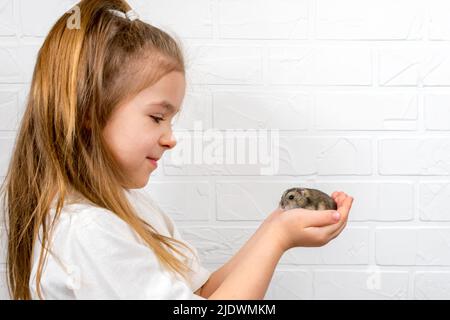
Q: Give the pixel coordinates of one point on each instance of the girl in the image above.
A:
(97, 120)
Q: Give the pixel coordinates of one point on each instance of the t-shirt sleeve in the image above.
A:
(108, 261)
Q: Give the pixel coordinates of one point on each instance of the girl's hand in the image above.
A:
(309, 228)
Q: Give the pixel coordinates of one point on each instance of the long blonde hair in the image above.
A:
(80, 75)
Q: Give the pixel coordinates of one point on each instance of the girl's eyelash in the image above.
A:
(156, 119)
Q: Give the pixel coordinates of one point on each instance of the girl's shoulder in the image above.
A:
(84, 218)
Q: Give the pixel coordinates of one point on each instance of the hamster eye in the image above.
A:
(291, 197)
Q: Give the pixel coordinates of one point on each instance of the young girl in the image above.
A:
(97, 120)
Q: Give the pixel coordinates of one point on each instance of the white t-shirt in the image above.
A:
(96, 255)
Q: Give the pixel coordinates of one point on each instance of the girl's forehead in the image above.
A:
(168, 91)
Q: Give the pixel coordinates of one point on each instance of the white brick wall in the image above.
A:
(360, 91)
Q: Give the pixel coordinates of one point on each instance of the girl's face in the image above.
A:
(140, 130)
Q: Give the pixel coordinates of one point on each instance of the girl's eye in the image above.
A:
(156, 119)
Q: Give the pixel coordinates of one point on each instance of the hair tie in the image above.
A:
(130, 15)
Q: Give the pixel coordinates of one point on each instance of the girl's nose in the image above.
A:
(168, 140)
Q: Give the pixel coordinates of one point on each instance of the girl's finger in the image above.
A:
(317, 237)
(334, 195)
(343, 209)
(338, 231)
(325, 230)
(344, 206)
(338, 193)
(341, 197)
(315, 218)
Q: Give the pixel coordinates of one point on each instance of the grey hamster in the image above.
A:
(305, 198)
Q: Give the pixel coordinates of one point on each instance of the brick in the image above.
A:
(356, 111)
(10, 107)
(437, 111)
(197, 106)
(314, 65)
(433, 201)
(6, 145)
(193, 199)
(433, 285)
(428, 156)
(9, 26)
(291, 285)
(414, 66)
(426, 246)
(373, 283)
(188, 21)
(370, 20)
(337, 156)
(439, 11)
(247, 200)
(17, 63)
(209, 64)
(257, 110)
(272, 20)
(39, 17)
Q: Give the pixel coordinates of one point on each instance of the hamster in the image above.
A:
(305, 198)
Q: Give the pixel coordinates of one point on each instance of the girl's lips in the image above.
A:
(153, 161)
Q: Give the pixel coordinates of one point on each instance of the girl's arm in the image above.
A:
(256, 252)
(247, 275)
